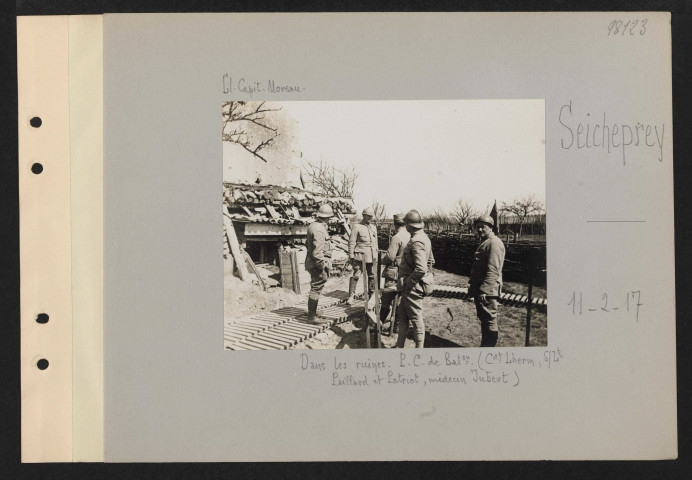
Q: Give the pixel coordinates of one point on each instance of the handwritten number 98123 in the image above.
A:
(620, 27)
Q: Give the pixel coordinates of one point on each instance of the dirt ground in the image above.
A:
(241, 299)
(449, 322)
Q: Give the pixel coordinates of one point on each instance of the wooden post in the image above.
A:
(230, 263)
(295, 277)
(364, 274)
(528, 306)
(395, 306)
(255, 271)
(235, 248)
(377, 301)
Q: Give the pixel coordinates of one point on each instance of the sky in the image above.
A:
(428, 154)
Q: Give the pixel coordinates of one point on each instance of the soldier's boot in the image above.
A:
(489, 338)
(312, 312)
(492, 338)
(353, 282)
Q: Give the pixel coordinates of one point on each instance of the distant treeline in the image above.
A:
(532, 225)
(454, 254)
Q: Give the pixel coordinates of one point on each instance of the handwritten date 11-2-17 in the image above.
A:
(629, 302)
(631, 27)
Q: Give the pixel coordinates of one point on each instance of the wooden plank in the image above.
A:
(276, 339)
(258, 326)
(288, 330)
(266, 341)
(294, 272)
(268, 322)
(260, 344)
(241, 330)
(272, 211)
(343, 221)
(306, 327)
(365, 302)
(238, 331)
(254, 270)
(254, 345)
(235, 248)
(292, 338)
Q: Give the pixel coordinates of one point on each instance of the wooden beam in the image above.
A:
(235, 248)
(272, 211)
(254, 270)
(364, 275)
(343, 221)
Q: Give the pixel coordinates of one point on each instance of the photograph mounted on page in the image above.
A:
(384, 224)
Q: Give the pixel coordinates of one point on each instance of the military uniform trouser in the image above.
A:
(318, 278)
(410, 311)
(487, 313)
(358, 267)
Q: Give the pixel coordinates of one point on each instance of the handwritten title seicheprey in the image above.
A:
(581, 130)
(250, 87)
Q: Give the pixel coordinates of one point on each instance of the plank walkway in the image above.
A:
(285, 327)
(511, 299)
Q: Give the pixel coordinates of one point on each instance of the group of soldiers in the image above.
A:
(407, 271)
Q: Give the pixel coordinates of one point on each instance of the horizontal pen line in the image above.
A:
(616, 221)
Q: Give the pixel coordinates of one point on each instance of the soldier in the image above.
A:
(415, 276)
(317, 262)
(485, 283)
(362, 245)
(391, 261)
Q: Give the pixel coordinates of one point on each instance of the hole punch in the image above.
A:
(42, 318)
(42, 364)
(37, 168)
(36, 122)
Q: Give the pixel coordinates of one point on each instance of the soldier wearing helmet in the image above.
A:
(318, 259)
(415, 277)
(485, 283)
(391, 261)
(362, 245)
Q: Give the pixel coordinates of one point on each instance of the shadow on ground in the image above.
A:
(434, 341)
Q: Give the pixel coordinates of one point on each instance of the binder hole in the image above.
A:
(42, 318)
(42, 364)
(35, 122)
(37, 168)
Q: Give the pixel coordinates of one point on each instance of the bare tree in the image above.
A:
(437, 220)
(248, 124)
(329, 180)
(462, 211)
(380, 213)
(522, 208)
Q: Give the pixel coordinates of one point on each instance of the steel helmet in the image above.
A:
(399, 219)
(369, 211)
(413, 219)
(485, 219)
(325, 211)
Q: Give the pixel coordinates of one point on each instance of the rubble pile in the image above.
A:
(276, 204)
